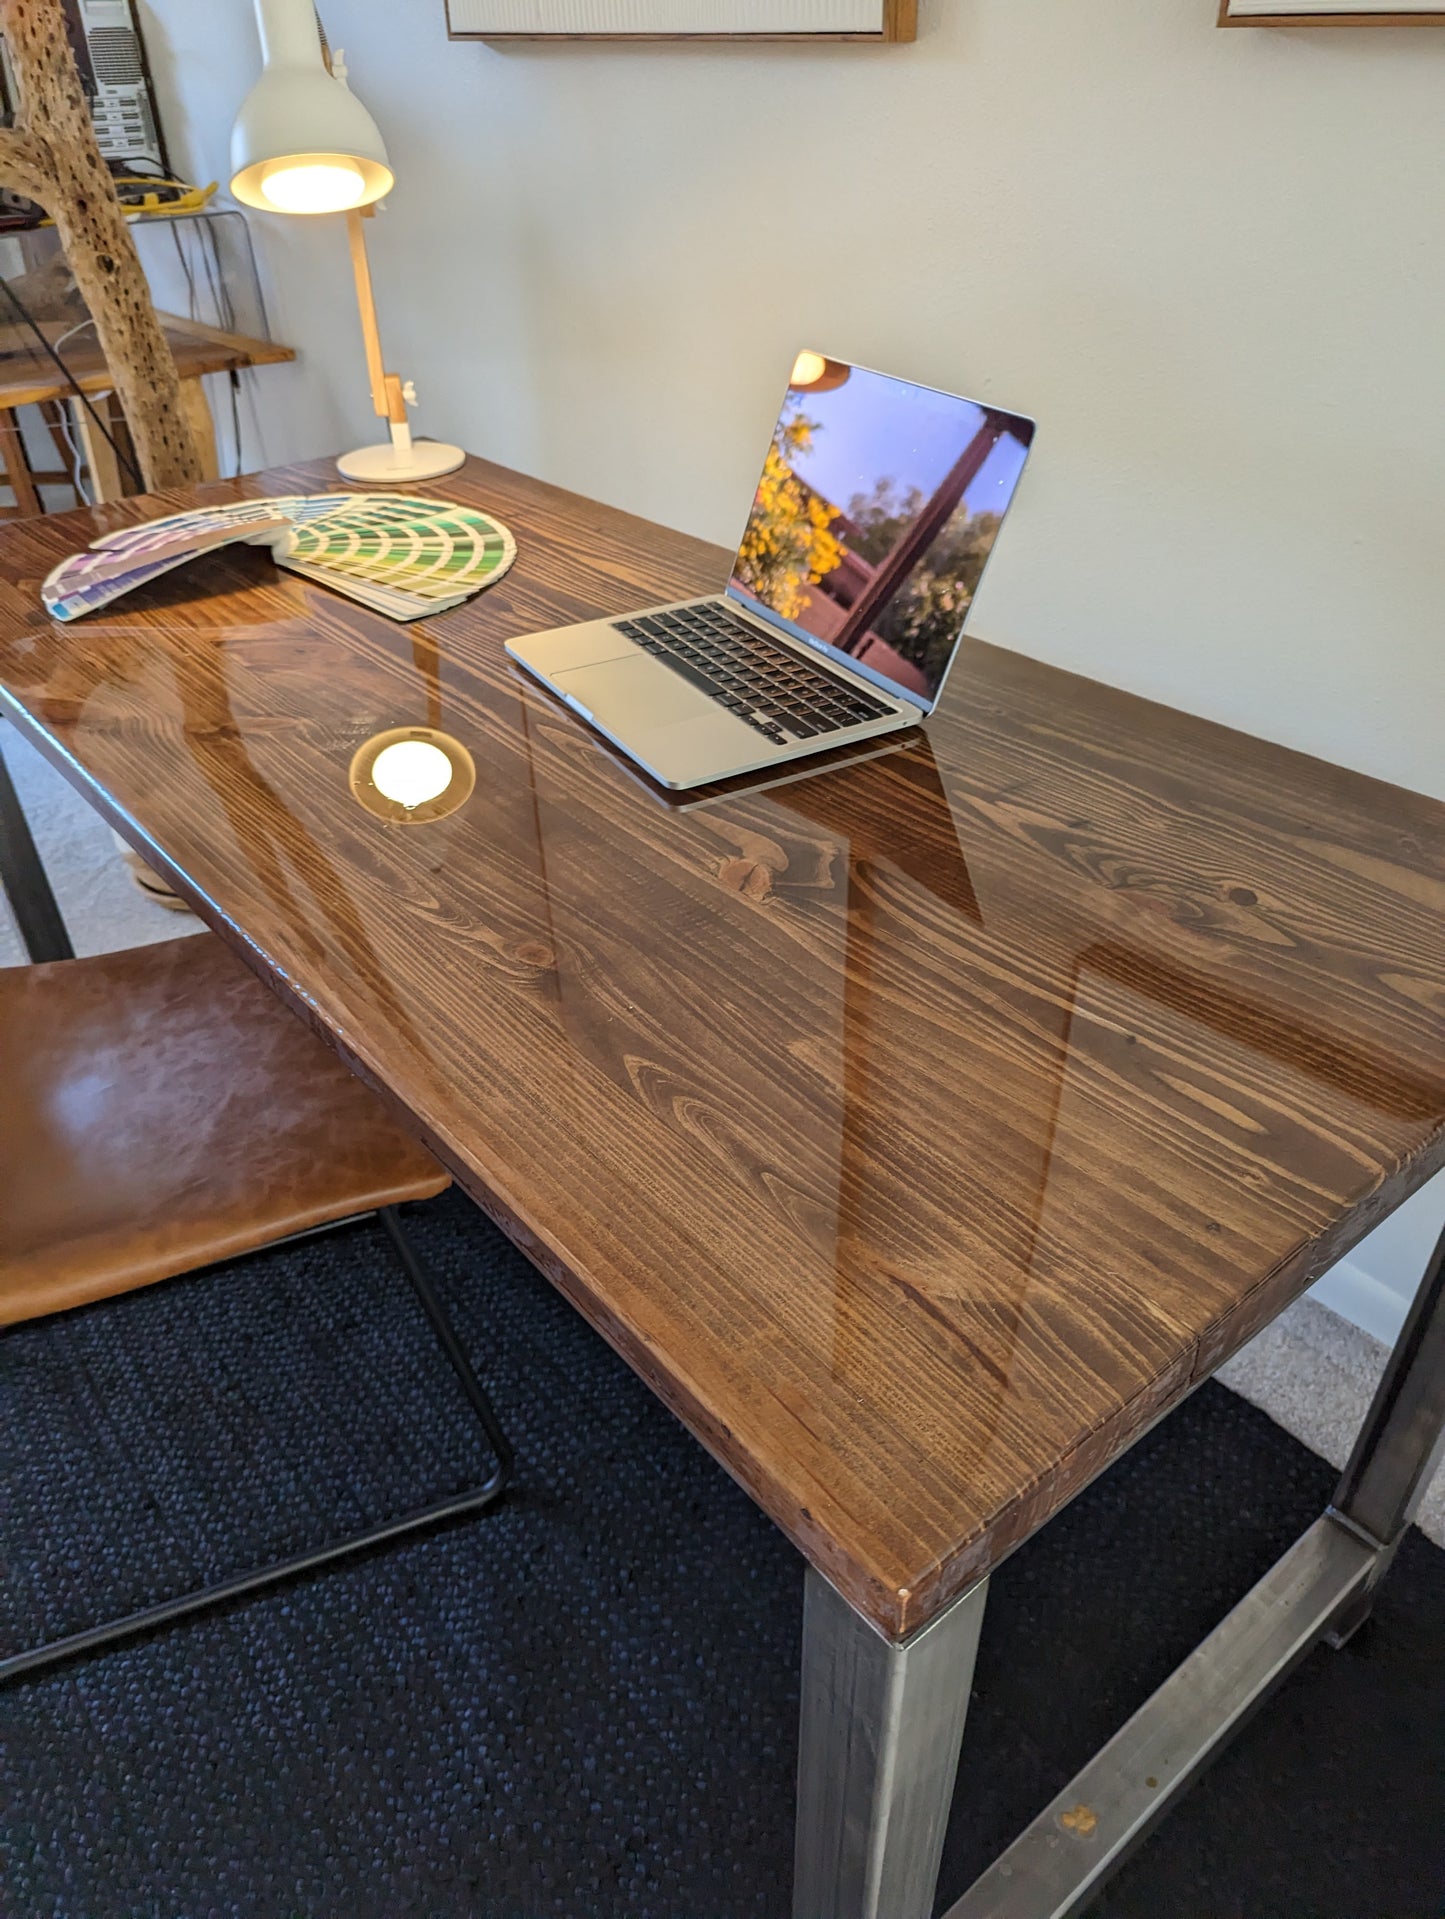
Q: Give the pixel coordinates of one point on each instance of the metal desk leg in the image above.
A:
(882, 1723)
(1401, 1442)
(23, 879)
(1320, 1590)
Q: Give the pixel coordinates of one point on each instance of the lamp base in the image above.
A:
(423, 460)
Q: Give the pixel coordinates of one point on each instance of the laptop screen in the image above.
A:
(878, 507)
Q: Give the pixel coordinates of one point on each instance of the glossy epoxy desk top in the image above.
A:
(919, 1129)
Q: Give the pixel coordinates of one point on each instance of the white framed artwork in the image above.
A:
(682, 19)
(1331, 13)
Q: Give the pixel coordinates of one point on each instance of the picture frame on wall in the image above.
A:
(878, 20)
(1331, 13)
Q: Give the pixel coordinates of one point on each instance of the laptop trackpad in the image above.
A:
(633, 695)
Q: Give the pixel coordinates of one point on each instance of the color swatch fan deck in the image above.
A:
(399, 556)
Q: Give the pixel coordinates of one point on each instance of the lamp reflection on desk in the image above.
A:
(412, 774)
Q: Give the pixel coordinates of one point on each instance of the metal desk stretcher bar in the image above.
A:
(871, 1823)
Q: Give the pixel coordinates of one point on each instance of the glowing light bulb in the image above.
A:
(411, 772)
(314, 186)
(808, 368)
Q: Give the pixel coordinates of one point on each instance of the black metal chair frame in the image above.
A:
(456, 1506)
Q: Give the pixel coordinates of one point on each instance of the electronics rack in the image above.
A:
(110, 53)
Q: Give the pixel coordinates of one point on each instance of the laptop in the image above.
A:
(879, 504)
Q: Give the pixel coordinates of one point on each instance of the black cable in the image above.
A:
(236, 416)
(71, 382)
(213, 240)
(216, 278)
(186, 269)
(216, 301)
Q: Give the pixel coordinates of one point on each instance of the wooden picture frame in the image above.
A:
(1327, 13)
(645, 20)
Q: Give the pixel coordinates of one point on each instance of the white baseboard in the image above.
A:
(1347, 1289)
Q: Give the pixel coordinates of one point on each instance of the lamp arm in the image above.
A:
(366, 301)
(386, 389)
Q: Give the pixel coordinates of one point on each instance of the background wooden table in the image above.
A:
(29, 377)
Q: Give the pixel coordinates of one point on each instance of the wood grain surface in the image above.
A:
(921, 1128)
(28, 376)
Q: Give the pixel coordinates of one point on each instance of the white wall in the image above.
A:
(1209, 263)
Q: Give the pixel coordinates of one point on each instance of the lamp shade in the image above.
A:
(303, 142)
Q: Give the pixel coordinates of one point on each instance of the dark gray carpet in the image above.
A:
(585, 1703)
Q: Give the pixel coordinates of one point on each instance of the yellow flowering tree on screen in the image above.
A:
(787, 547)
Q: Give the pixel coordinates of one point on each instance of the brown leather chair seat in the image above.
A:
(160, 1110)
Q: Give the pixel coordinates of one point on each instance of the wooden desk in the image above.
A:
(29, 377)
(920, 1131)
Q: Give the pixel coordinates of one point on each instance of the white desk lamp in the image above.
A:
(303, 143)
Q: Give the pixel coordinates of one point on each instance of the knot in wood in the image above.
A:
(749, 877)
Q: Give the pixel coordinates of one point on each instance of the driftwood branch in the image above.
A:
(51, 157)
(24, 165)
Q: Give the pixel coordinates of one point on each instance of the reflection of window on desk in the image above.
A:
(53, 442)
(1255, 1115)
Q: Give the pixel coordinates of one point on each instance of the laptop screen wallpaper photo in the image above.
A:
(878, 506)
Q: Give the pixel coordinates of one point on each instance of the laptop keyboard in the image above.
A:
(771, 687)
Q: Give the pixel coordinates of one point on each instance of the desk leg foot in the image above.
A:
(882, 1723)
(1348, 1622)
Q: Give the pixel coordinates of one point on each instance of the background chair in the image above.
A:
(161, 1111)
